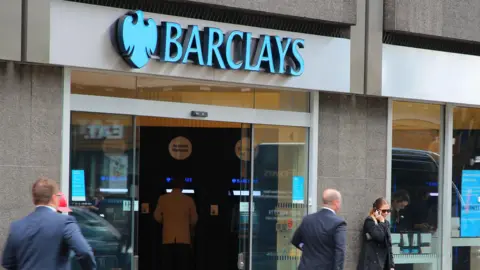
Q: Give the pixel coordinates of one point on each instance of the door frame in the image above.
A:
(137, 107)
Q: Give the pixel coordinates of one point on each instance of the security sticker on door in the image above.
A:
(214, 210)
(127, 205)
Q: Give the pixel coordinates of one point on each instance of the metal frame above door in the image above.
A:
(139, 107)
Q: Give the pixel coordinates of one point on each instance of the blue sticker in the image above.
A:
(298, 190)
(78, 185)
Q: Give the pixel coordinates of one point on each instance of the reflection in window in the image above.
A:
(102, 168)
(415, 174)
(465, 258)
(280, 162)
(184, 91)
(466, 188)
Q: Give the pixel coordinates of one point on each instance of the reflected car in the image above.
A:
(106, 241)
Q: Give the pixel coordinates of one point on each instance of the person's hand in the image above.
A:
(379, 216)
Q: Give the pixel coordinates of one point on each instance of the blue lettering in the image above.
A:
(297, 59)
(139, 42)
(262, 60)
(280, 52)
(247, 53)
(170, 34)
(192, 37)
(228, 49)
(212, 42)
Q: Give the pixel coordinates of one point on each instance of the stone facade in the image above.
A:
(31, 100)
(352, 158)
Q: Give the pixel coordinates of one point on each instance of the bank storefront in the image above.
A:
(230, 109)
(434, 152)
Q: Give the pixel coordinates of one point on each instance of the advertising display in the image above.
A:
(470, 209)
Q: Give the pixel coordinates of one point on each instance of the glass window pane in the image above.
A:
(279, 194)
(187, 91)
(103, 84)
(101, 162)
(415, 178)
(466, 174)
(465, 258)
(294, 101)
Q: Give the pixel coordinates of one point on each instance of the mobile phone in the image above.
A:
(377, 212)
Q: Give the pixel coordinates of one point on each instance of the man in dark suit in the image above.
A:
(322, 236)
(43, 239)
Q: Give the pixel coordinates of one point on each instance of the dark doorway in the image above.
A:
(210, 170)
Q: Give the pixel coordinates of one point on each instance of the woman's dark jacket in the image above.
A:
(376, 253)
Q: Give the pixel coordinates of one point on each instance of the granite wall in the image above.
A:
(31, 100)
(352, 158)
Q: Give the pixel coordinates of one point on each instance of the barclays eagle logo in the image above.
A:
(136, 38)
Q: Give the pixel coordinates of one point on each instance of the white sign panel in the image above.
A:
(81, 36)
(428, 75)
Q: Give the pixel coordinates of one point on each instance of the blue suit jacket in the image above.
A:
(43, 240)
(323, 236)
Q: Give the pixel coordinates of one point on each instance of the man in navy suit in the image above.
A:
(44, 239)
(322, 236)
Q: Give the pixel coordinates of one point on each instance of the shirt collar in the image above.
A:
(329, 209)
(47, 206)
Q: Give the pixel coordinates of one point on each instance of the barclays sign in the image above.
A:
(138, 40)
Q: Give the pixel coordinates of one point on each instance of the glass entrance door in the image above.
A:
(248, 182)
(212, 159)
(244, 195)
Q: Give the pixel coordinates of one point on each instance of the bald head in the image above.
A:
(332, 199)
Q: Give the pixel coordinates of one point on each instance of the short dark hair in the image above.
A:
(178, 182)
(43, 190)
(401, 196)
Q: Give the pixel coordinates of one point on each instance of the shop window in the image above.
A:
(280, 176)
(185, 91)
(415, 183)
(465, 229)
(101, 163)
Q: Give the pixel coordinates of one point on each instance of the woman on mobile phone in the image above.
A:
(376, 253)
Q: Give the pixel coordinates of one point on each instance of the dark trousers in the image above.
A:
(176, 257)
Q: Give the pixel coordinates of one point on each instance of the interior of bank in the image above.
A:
(248, 181)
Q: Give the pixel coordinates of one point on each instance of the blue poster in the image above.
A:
(298, 191)
(470, 204)
(78, 186)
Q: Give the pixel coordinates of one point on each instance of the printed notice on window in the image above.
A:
(470, 204)
(78, 186)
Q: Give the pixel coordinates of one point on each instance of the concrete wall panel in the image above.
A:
(337, 11)
(352, 158)
(439, 18)
(31, 109)
(10, 29)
